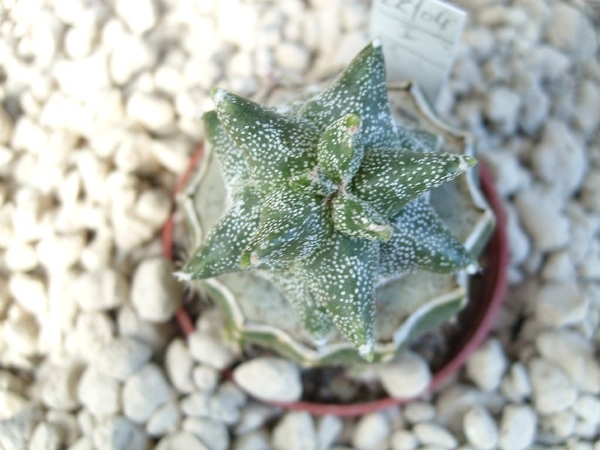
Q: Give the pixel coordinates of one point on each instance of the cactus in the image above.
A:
(328, 199)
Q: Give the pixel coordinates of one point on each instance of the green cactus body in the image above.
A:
(337, 230)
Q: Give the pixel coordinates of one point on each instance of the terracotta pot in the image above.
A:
(481, 313)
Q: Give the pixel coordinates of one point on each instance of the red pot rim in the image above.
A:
(495, 289)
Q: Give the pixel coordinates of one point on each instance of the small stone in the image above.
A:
(432, 434)
(60, 252)
(587, 407)
(30, 292)
(93, 331)
(79, 78)
(293, 57)
(164, 420)
(515, 384)
(137, 404)
(154, 112)
(210, 350)
(119, 433)
(405, 377)
(329, 428)
(122, 357)
(560, 158)
(487, 365)
(139, 17)
(552, 390)
(559, 267)
(196, 404)
(66, 423)
(503, 108)
(131, 325)
(371, 431)
(543, 221)
(11, 404)
(6, 127)
(224, 405)
(572, 32)
(480, 428)
(103, 290)
(180, 440)
(573, 354)
(517, 427)
(154, 207)
(415, 412)
(84, 443)
(172, 153)
(587, 110)
(179, 364)
(79, 40)
(132, 56)
(295, 431)
(155, 293)
(269, 379)
(560, 303)
(20, 257)
(254, 416)
(205, 378)
(59, 390)
(508, 172)
(560, 425)
(15, 432)
(254, 440)
(46, 436)
(403, 440)
(213, 434)
(99, 393)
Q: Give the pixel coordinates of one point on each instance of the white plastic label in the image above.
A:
(419, 40)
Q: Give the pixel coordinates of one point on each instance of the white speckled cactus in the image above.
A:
(328, 200)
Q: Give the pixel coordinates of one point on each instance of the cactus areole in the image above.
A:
(325, 208)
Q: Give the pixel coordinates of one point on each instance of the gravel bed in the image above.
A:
(98, 118)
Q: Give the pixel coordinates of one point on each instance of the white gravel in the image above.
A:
(98, 117)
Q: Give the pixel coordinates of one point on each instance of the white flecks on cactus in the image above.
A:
(328, 197)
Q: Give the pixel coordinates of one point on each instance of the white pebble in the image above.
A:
(517, 427)
(560, 158)
(103, 290)
(407, 376)
(552, 389)
(543, 221)
(122, 358)
(140, 16)
(172, 153)
(179, 364)
(132, 56)
(59, 389)
(98, 393)
(137, 404)
(93, 331)
(329, 428)
(6, 127)
(78, 41)
(154, 112)
(45, 436)
(20, 257)
(210, 350)
(151, 334)
(155, 293)
(254, 440)
(480, 428)
(153, 206)
(292, 57)
(205, 377)
(254, 416)
(180, 440)
(66, 423)
(119, 433)
(415, 412)
(571, 31)
(79, 78)
(403, 440)
(164, 419)
(11, 404)
(560, 304)
(574, 355)
(60, 251)
(503, 108)
(433, 434)
(487, 365)
(30, 292)
(270, 379)
(295, 431)
(515, 384)
(371, 431)
(213, 434)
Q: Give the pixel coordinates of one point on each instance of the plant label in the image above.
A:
(420, 38)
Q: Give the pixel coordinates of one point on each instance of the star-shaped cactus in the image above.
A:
(328, 200)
